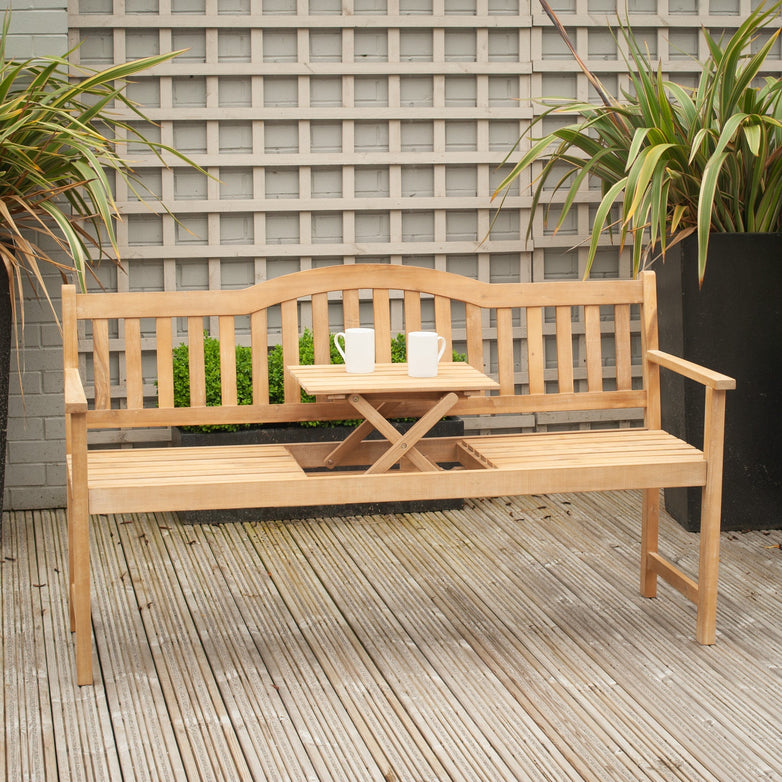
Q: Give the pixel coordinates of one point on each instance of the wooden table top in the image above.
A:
(333, 380)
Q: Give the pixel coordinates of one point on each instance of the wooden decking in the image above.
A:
(506, 641)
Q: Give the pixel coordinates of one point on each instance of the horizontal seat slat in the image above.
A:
(556, 443)
(622, 446)
(185, 470)
(147, 476)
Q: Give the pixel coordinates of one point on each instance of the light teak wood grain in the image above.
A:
(550, 346)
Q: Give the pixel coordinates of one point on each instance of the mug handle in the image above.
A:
(340, 348)
(442, 347)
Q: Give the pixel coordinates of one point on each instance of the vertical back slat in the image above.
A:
(650, 341)
(622, 349)
(165, 362)
(594, 348)
(195, 352)
(350, 309)
(290, 347)
(381, 317)
(133, 376)
(535, 350)
(412, 311)
(505, 350)
(474, 326)
(227, 360)
(100, 353)
(260, 357)
(564, 349)
(320, 328)
(442, 324)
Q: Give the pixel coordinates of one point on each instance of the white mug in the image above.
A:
(358, 350)
(424, 351)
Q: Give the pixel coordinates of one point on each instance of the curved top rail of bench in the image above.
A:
(357, 277)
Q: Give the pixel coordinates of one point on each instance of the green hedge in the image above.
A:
(244, 382)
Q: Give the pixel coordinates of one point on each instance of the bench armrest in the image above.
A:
(707, 377)
(75, 398)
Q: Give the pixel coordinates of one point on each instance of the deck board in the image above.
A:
(504, 641)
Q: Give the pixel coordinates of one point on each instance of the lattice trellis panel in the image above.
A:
(351, 131)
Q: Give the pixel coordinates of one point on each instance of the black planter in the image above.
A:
(449, 427)
(733, 324)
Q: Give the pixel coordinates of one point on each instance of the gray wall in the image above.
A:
(35, 475)
(39, 27)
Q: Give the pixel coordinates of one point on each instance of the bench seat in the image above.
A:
(629, 450)
(138, 479)
(238, 476)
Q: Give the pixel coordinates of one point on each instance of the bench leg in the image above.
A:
(711, 512)
(71, 567)
(81, 623)
(650, 523)
(708, 567)
(79, 553)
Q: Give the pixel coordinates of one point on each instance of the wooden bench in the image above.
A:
(554, 348)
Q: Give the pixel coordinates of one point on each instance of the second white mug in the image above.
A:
(358, 350)
(424, 351)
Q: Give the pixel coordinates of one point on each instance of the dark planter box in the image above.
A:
(449, 427)
(733, 325)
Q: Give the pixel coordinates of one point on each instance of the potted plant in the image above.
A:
(59, 149)
(306, 431)
(691, 170)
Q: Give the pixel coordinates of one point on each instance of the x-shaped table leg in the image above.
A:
(402, 445)
(351, 442)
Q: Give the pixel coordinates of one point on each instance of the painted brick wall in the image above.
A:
(34, 475)
(39, 27)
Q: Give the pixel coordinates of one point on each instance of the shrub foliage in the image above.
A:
(244, 380)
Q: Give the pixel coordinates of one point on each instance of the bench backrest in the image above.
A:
(553, 346)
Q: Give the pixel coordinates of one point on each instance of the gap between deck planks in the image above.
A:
(504, 641)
